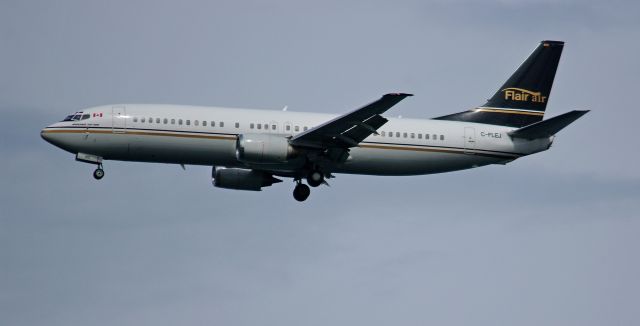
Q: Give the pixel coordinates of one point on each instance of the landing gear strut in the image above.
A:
(315, 178)
(301, 192)
(98, 173)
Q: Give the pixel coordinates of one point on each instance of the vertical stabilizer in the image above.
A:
(523, 98)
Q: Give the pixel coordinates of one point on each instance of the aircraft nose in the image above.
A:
(43, 134)
(49, 137)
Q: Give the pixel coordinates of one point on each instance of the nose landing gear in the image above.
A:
(92, 159)
(98, 173)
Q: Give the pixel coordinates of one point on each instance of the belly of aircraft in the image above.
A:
(386, 161)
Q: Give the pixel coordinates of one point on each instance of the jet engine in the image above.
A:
(241, 179)
(261, 148)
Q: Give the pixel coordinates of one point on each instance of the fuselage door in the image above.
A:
(469, 139)
(118, 119)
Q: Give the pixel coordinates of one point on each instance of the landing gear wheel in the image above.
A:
(98, 173)
(301, 192)
(315, 178)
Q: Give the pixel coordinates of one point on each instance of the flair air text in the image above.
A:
(523, 95)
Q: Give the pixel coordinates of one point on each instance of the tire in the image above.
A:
(301, 192)
(315, 178)
(98, 174)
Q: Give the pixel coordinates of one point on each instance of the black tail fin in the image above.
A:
(522, 100)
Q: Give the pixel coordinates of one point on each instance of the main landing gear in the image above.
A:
(315, 178)
(301, 192)
(98, 173)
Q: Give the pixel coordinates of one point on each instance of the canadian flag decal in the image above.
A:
(97, 114)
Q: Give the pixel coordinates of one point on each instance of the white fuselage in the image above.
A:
(207, 136)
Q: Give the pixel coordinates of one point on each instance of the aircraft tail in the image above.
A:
(523, 98)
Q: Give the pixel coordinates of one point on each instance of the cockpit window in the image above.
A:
(77, 116)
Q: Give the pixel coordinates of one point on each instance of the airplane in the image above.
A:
(252, 149)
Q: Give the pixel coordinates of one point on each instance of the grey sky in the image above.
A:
(550, 239)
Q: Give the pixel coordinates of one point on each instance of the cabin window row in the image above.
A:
(180, 122)
(266, 126)
(411, 135)
(274, 127)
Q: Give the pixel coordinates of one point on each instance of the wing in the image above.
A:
(350, 129)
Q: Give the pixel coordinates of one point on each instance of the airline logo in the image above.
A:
(97, 114)
(523, 95)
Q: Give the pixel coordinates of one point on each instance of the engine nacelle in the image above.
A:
(241, 179)
(263, 148)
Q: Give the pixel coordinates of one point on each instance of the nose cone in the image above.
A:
(45, 135)
(48, 135)
(55, 139)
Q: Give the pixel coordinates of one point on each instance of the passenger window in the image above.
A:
(404, 135)
(251, 125)
(273, 127)
(419, 136)
(390, 133)
(441, 137)
(204, 123)
(135, 119)
(180, 122)
(173, 121)
(266, 126)
(158, 120)
(382, 133)
(413, 135)
(435, 137)
(196, 123)
(237, 124)
(397, 134)
(288, 127)
(221, 124)
(259, 126)
(188, 122)
(143, 120)
(297, 128)
(166, 121)
(213, 124)
(150, 120)
(305, 128)
(426, 136)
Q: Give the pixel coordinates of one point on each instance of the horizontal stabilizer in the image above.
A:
(549, 127)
